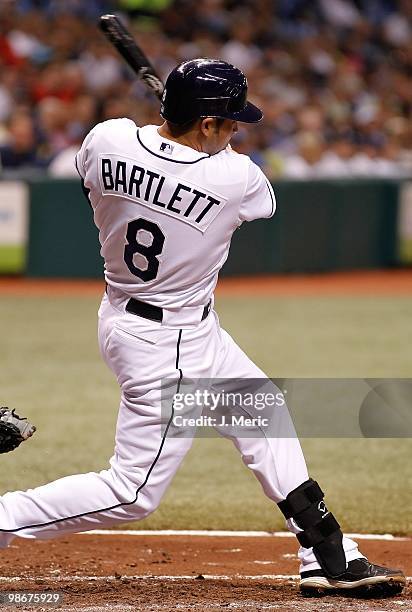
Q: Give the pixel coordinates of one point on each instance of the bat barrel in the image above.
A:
(125, 44)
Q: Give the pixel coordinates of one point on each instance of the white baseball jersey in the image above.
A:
(166, 213)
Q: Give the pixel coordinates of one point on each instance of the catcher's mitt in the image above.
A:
(13, 430)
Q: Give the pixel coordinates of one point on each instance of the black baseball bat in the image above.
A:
(125, 44)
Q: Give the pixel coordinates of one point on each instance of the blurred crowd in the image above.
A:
(333, 77)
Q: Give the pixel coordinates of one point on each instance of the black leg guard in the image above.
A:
(321, 530)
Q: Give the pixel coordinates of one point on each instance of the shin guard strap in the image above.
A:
(316, 534)
(300, 499)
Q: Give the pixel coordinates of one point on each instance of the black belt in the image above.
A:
(154, 313)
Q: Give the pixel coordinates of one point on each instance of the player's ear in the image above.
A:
(207, 126)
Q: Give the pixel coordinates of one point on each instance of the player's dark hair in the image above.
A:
(179, 130)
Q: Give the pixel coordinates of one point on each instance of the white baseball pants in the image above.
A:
(141, 353)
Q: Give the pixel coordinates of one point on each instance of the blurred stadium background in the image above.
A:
(334, 78)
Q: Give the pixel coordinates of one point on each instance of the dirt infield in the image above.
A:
(377, 282)
(122, 572)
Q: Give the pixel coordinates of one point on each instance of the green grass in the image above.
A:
(12, 259)
(50, 369)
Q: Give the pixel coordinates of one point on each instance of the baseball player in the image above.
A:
(166, 200)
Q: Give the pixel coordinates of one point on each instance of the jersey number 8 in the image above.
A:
(149, 251)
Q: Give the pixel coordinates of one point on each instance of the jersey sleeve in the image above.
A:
(83, 155)
(259, 200)
(106, 135)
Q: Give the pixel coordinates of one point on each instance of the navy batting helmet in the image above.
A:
(207, 88)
